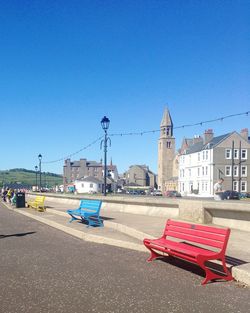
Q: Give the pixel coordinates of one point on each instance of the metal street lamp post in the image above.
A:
(40, 172)
(36, 168)
(105, 125)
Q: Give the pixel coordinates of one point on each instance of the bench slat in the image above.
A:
(194, 232)
(196, 239)
(210, 229)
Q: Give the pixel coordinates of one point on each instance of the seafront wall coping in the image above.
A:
(235, 214)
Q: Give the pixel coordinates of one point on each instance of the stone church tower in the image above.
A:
(166, 151)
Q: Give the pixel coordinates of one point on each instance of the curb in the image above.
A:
(116, 226)
(82, 235)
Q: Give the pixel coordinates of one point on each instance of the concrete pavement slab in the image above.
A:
(135, 228)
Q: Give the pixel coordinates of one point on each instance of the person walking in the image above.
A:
(218, 191)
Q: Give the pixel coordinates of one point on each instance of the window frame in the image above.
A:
(235, 185)
(230, 170)
(244, 151)
(245, 167)
(243, 182)
(230, 153)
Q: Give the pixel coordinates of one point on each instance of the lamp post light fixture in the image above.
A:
(105, 125)
(36, 168)
(40, 172)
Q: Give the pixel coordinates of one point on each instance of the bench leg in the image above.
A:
(73, 218)
(94, 221)
(154, 255)
(210, 275)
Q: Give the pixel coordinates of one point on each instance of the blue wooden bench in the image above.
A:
(88, 211)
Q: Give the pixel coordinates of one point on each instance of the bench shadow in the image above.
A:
(234, 261)
(17, 235)
(105, 218)
(85, 222)
(195, 269)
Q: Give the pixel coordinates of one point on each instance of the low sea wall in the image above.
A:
(228, 213)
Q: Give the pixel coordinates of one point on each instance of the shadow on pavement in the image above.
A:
(234, 262)
(191, 267)
(17, 235)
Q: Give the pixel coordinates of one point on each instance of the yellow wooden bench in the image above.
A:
(37, 203)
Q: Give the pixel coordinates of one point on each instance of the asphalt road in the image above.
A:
(45, 270)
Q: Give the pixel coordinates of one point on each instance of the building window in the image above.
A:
(228, 170)
(198, 171)
(243, 186)
(168, 144)
(203, 155)
(235, 186)
(189, 171)
(235, 170)
(228, 154)
(206, 170)
(206, 154)
(203, 171)
(244, 171)
(236, 153)
(244, 154)
(199, 157)
(91, 185)
(82, 185)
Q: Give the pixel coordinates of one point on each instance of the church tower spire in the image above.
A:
(166, 150)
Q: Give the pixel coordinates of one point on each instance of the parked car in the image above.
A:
(231, 195)
(244, 195)
(172, 194)
(156, 193)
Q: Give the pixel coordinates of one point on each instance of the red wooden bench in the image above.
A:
(180, 239)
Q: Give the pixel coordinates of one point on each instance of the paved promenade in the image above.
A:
(128, 230)
(45, 270)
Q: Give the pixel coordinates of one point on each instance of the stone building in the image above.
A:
(167, 161)
(140, 175)
(75, 170)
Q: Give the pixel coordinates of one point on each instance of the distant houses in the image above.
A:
(87, 176)
(203, 160)
(139, 175)
(192, 170)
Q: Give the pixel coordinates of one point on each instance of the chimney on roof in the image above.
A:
(208, 135)
(244, 133)
(197, 138)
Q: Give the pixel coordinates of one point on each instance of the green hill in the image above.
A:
(28, 177)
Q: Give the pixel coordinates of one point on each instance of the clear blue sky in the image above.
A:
(66, 64)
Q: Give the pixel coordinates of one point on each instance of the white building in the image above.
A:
(196, 173)
(88, 185)
(202, 161)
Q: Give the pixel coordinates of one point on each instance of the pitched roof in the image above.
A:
(166, 119)
(199, 146)
(90, 179)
